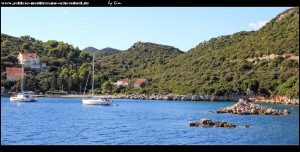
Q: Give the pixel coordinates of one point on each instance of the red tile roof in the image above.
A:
(32, 55)
(126, 80)
(140, 80)
(13, 69)
(14, 74)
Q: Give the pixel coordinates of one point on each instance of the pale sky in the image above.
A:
(120, 27)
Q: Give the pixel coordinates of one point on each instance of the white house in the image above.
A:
(31, 60)
(122, 82)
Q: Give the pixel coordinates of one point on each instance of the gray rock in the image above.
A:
(285, 112)
(196, 98)
(186, 98)
(245, 108)
(206, 121)
(193, 123)
(177, 97)
(246, 126)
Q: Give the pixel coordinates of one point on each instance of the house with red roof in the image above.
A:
(13, 73)
(122, 82)
(31, 60)
(140, 81)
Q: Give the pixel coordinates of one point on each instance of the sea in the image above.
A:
(66, 121)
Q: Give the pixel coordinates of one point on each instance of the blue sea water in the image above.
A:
(65, 121)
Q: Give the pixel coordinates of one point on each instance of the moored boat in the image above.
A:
(24, 96)
(93, 100)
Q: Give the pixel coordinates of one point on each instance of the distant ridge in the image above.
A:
(90, 49)
(106, 52)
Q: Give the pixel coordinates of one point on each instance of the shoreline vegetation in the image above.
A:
(259, 66)
(255, 99)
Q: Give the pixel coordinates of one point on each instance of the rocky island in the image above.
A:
(205, 122)
(244, 107)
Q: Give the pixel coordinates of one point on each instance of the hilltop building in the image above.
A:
(32, 60)
(122, 82)
(140, 81)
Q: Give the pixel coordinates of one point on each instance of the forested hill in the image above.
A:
(70, 67)
(53, 52)
(106, 52)
(266, 61)
(90, 49)
(138, 60)
(67, 64)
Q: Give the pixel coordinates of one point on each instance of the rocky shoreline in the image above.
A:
(231, 97)
(175, 97)
(78, 96)
(275, 100)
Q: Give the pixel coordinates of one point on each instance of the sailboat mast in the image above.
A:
(22, 77)
(93, 78)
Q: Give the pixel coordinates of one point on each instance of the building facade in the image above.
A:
(13, 73)
(138, 83)
(31, 60)
(122, 82)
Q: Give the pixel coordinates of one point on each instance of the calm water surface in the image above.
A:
(60, 121)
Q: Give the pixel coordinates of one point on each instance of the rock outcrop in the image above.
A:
(244, 107)
(205, 122)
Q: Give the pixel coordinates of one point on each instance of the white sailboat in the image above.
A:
(23, 96)
(93, 100)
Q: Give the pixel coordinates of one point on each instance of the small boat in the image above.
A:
(24, 96)
(94, 100)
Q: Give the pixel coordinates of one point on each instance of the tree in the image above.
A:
(84, 74)
(27, 38)
(107, 86)
(30, 83)
(84, 56)
(46, 81)
(26, 47)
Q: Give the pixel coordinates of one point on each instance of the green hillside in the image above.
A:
(219, 66)
(140, 58)
(59, 56)
(106, 52)
(90, 49)
(265, 61)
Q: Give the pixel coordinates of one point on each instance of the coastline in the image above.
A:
(80, 96)
(231, 97)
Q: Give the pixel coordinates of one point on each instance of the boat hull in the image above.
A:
(96, 102)
(16, 99)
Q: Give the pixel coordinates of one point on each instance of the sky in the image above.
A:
(120, 27)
